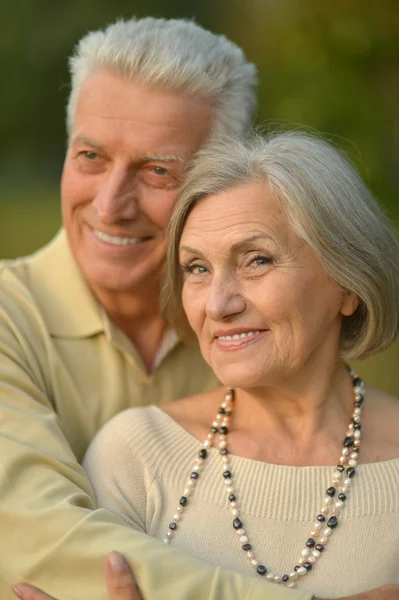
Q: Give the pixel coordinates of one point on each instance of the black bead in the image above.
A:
(310, 543)
(307, 566)
(340, 468)
(232, 498)
(360, 399)
(246, 547)
(194, 475)
(227, 412)
(261, 570)
(319, 547)
(285, 578)
(203, 453)
(221, 411)
(223, 430)
(357, 426)
(342, 497)
(214, 429)
(173, 526)
(350, 472)
(357, 382)
(297, 567)
(237, 524)
(332, 522)
(183, 501)
(227, 474)
(331, 491)
(321, 518)
(223, 451)
(348, 442)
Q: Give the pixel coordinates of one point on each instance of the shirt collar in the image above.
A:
(67, 304)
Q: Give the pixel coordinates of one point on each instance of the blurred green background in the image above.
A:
(333, 66)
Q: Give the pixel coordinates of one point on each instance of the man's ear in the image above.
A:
(349, 303)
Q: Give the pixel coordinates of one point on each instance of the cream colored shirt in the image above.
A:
(139, 464)
(65, 370)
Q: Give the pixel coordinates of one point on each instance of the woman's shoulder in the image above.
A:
(380, 432)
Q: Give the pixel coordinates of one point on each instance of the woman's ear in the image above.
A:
(349, 303)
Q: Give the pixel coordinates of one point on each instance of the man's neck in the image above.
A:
(138, 316)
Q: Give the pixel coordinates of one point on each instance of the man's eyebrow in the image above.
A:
(85, 140)
(234, 248)
(161, 158)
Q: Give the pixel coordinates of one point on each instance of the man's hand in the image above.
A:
(385, 592)
(118, 575)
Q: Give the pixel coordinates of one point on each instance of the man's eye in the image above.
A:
(90, 155)
(160, 171)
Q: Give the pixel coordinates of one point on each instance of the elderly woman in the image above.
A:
(283, 266)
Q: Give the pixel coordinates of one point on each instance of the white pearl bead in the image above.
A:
(235, 512)
(218, 417)
(357, 411)
(314, 533)
(244, 539)
(312, 560)
(191, 483)
(357, 433)
(335, 481)
(197, 468)
(228, 482)
(222, 444)
(230, 489)
(317, 525)
(335, 511)
(344, 489)
(353, 462)
(337, 475)
(328, 500)
(206, 444)
(233, 504)
(179, 509)
(347, 482)
(302, 560)
(323, 540)
(356, 443)
(324, 510)
(215, 424)
(305, 552)
(241, 531)
(176, 517)
(301, 571)
(200, 461)
(291, 584)
(356, 418)
(354, 455)
(294, 575)
(327, 532)
(339, 504)
(187, 492)
(166, 541)
(316, 553)
(277, 579)
(250, 555)
(169, 534)
(255, 562)
(270, 576)
(342, 460)
(345, 451)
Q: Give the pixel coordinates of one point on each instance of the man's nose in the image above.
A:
(117, 198)
(224, 300)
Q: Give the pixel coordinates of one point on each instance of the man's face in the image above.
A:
(121, 176)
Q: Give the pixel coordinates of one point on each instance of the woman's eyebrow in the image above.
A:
(234, 248)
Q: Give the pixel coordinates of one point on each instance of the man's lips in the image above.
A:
(119, 240)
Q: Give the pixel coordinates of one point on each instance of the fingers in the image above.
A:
(28, 592)
(119, 577)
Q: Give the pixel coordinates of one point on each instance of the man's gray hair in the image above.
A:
(176, 54)
(328, 206)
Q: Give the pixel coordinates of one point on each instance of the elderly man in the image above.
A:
(81, 336)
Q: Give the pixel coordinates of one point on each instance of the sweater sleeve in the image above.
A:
(53, 535)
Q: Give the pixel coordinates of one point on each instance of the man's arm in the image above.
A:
(52, 535)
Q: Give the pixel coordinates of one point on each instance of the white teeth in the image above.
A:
(116, 240)
(238, 336)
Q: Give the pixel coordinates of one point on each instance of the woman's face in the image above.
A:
(254, 293)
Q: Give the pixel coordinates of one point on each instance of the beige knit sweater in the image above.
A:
(139, 464)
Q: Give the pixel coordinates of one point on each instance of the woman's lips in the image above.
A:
(237, 339)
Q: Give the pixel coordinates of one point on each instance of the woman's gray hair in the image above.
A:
(328, 206)
(176, 54)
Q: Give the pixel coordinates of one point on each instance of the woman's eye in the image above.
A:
(261, 260)
(90, 155)
(194, 269)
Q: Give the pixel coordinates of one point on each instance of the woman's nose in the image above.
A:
(224, 300)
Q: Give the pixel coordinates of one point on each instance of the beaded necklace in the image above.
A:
(334, 501)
